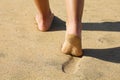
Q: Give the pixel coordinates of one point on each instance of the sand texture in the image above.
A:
(28, 54)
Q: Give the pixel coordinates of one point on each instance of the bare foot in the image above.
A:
(72, 44)
(44, 24)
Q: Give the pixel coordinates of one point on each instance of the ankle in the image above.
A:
(74, 28)
(46, 16)
(74, 23)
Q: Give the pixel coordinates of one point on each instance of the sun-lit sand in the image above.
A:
(28, 54)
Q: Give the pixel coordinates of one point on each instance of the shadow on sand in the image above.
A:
(59, 25)
(110, 54)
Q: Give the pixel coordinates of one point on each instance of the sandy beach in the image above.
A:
(28, 54)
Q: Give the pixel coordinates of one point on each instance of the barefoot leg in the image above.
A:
(72, 43)
(74, 16)
(44, 17)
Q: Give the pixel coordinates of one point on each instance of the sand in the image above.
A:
(28, 54)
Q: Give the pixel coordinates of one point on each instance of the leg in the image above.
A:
(44, 17)
(74, 16)
(72, 44)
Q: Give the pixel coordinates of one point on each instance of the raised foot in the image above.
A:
(72, 45)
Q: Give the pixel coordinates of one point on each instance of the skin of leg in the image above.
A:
(72, 44)
(44, 17)
(74, 16)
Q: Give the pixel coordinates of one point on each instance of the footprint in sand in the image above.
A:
(71, 66)
(72, 46)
